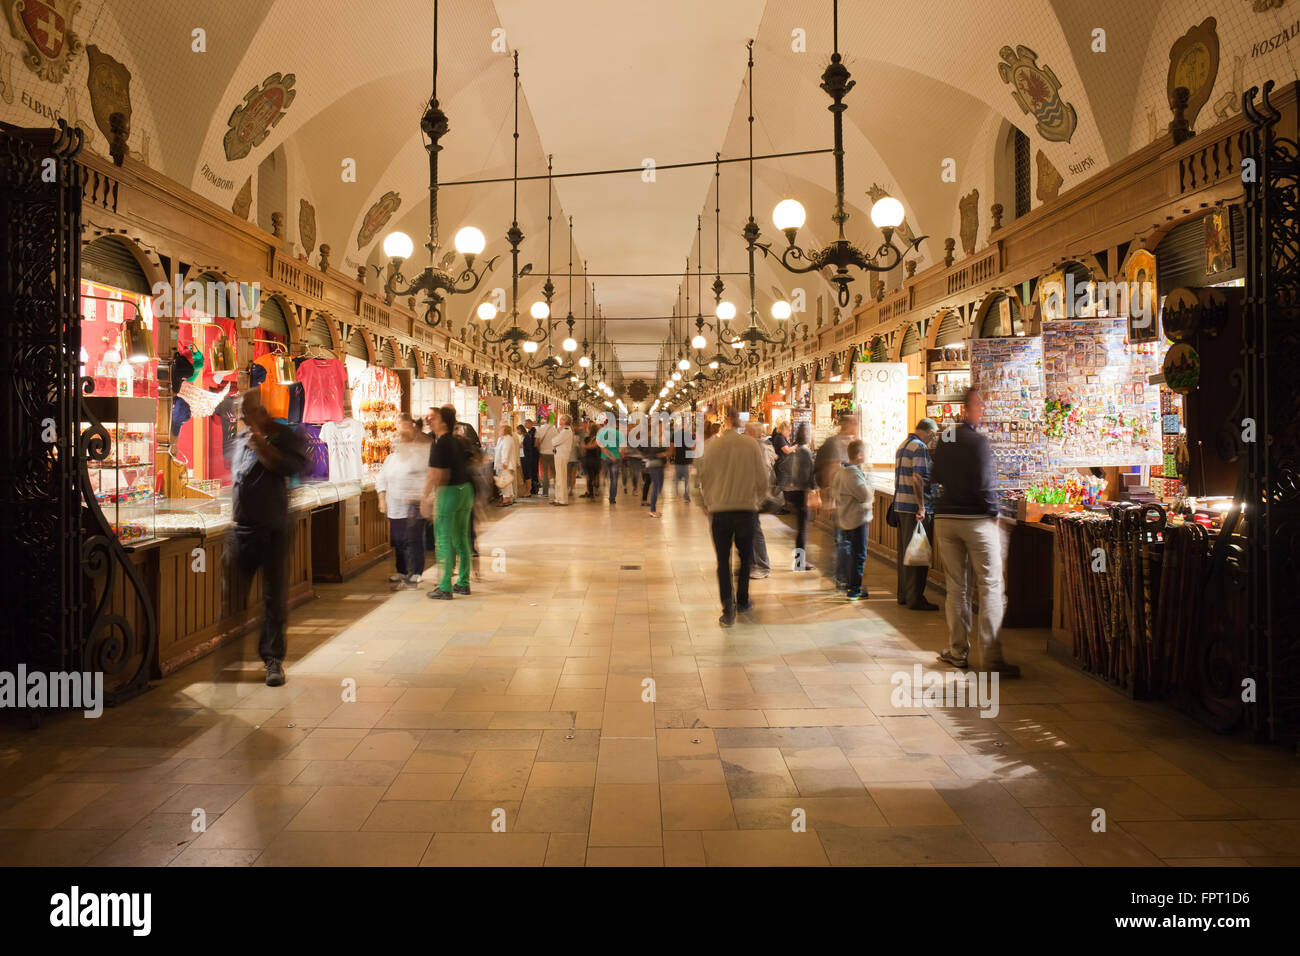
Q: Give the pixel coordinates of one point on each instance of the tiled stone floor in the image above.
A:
(523, 703)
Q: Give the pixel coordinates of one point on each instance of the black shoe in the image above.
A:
(745, 607)
(438, 594)
(924, 605)
(274, 673)
(728, 617)
(460, 589)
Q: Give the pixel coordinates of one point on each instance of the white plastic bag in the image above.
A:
(918, 549)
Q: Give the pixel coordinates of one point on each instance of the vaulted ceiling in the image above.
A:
(619, 84)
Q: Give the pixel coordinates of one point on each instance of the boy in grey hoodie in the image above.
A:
(853, 493)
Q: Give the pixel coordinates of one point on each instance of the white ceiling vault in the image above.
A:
(613, 83)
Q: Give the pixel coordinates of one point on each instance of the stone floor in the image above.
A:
(521, 706)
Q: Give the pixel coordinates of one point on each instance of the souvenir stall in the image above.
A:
(117, 354)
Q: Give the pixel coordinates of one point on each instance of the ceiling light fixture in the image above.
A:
(788, 216)
(435, 281)
(513, 336)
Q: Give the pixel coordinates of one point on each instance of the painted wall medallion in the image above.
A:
(1049, 180)
(969, 206)
(377, 217)
(307, 226)
(1182, 368)
(243, 203)
(1194, 63)
(262, 109)
(1038, 92)
(109, 83)
(44, 27)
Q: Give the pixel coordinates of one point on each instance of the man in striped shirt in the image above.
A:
(912, 494)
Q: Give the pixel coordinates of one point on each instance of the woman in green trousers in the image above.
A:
(449, 476)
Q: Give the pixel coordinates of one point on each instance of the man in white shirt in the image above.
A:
(544, 439)
(563, 445)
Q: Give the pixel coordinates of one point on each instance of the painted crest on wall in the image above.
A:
(110, 89)
(306, 225)
(243, 203)
(970, 220)
(377, 217)
(1049, 180)
(1038, 92)
(262, 109)
(44, 27)
(1194, 63)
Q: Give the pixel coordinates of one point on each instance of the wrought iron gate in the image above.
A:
(65, 577)
(1272, 352)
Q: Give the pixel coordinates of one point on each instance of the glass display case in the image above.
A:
(208, 516)
(947, 376)
(125, 481)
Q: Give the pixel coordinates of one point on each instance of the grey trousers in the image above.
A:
(761, 562)
(971, 551)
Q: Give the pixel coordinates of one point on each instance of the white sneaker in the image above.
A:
(396, 577)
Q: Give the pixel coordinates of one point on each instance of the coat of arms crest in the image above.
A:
(45, 28)
(307, 226)
(262, 109)
(110, 89)
(1038, 92)
(377, 217)
(970, 220)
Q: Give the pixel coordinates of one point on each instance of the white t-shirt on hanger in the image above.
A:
(343, 440)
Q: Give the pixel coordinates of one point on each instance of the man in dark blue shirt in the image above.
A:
(966, 528)
(266, 454)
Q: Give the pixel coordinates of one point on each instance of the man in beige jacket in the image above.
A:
(733, 479)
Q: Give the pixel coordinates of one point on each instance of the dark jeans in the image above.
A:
(396, 536)
(856, 539)
(655, 479)
(799, 504)
(911, 580)
(407, 537)
(592, 467)
(632, 467)
(612, 466)
(844, 560)
(265, 548)
(737, 527)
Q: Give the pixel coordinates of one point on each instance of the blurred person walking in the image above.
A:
(966, 529)
(913, 492)
(563, 450)
(449, 476)
(762, 566)
(799, 482)
(732, 488)
(400, 485)
(831, 456)
(505, 464)
(266, 454)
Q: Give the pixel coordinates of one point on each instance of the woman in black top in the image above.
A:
(591, 461)
(801, 481)
(449, 473)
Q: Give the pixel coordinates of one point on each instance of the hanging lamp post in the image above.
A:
(789, 214)
(435, 281)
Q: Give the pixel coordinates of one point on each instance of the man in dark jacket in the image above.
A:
(266, 454)
(966, 528)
